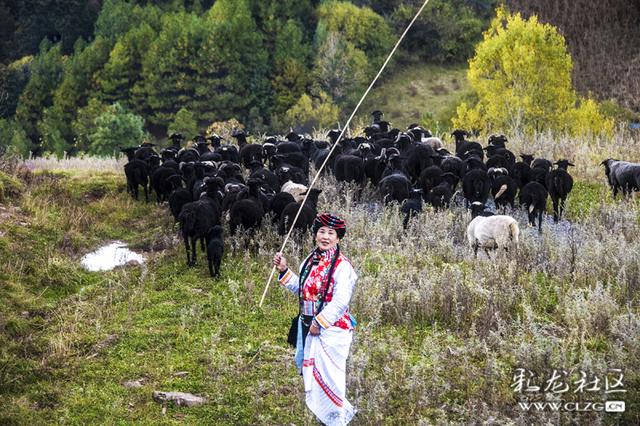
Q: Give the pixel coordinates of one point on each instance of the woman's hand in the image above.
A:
(280, 262)
(314, 329)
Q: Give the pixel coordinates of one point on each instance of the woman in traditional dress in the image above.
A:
(324, 327)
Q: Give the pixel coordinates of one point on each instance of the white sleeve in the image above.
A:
(344, 281)
(290, 280)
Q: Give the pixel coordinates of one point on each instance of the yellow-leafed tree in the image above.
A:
(521, 73)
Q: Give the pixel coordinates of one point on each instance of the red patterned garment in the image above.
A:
(336, 311)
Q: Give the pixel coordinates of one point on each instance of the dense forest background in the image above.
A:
(69, 68)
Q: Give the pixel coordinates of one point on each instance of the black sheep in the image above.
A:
(411, 206)
(231, 192)
(541, 163)
(440, 196)
(474, 162)
(559, 185)
(395, 187)
(538, 174)
(503, 188)
(453, 165)
(520, 175)
(160, 183)
(622, 175)
(187, 155)
(215, 250)
(248, 210)
(374, 167)
(197, 217)
(534, 197)
(278, 203)
(527, 159)
(229, 153)
(291, 159)
(145, 152)
(429, 178)
(248, 151)
(306, 217)
(287, 173)
(476, 186)
(257, 170)
(419, 157)
(137, 173)
(288, 147)
(395, 165)
(466, 148)
(178, 197)
(349, 168)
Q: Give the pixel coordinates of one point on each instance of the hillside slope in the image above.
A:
(419, 93)
(439, 333)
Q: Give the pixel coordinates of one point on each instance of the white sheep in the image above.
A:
(297, 190)
(433, 142)
(491, 232)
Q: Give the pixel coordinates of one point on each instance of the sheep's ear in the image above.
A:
(571, 164)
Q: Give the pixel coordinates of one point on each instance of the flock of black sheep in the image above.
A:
(204, 182)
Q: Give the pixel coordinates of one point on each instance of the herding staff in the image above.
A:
(346, 126)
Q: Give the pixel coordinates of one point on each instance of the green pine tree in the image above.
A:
(46, 74)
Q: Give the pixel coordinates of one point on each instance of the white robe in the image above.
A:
(324, 360)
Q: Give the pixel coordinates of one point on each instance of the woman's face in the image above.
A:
(326, 238)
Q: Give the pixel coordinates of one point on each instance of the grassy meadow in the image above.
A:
(439, 333)
(410, 90)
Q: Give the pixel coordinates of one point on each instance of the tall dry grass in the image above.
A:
(440, 333)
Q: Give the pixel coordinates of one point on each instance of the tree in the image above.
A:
(46, 75)
(311, 113)
(116, 127)
(122, 72)
(239, 73)
(362, 28)
(290, 76)
(352, 44)
(184, 123)
(169, 74)
(341, 70)
(84, 126)
(72, 93)
(14, 136)
(521, 73)
(13, 78)
(117, 17)
(447, 30)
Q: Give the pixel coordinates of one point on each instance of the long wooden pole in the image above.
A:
(346, 126)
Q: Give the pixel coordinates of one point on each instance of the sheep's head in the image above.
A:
(498, 140)
(459, 134)
(255, 181)
(403, 139)
(527, 158)
(293, 136)
(269, 149)
(563, 164)
(476, 208)
(372, 130)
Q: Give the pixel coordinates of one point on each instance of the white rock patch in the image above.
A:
(108, 257)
